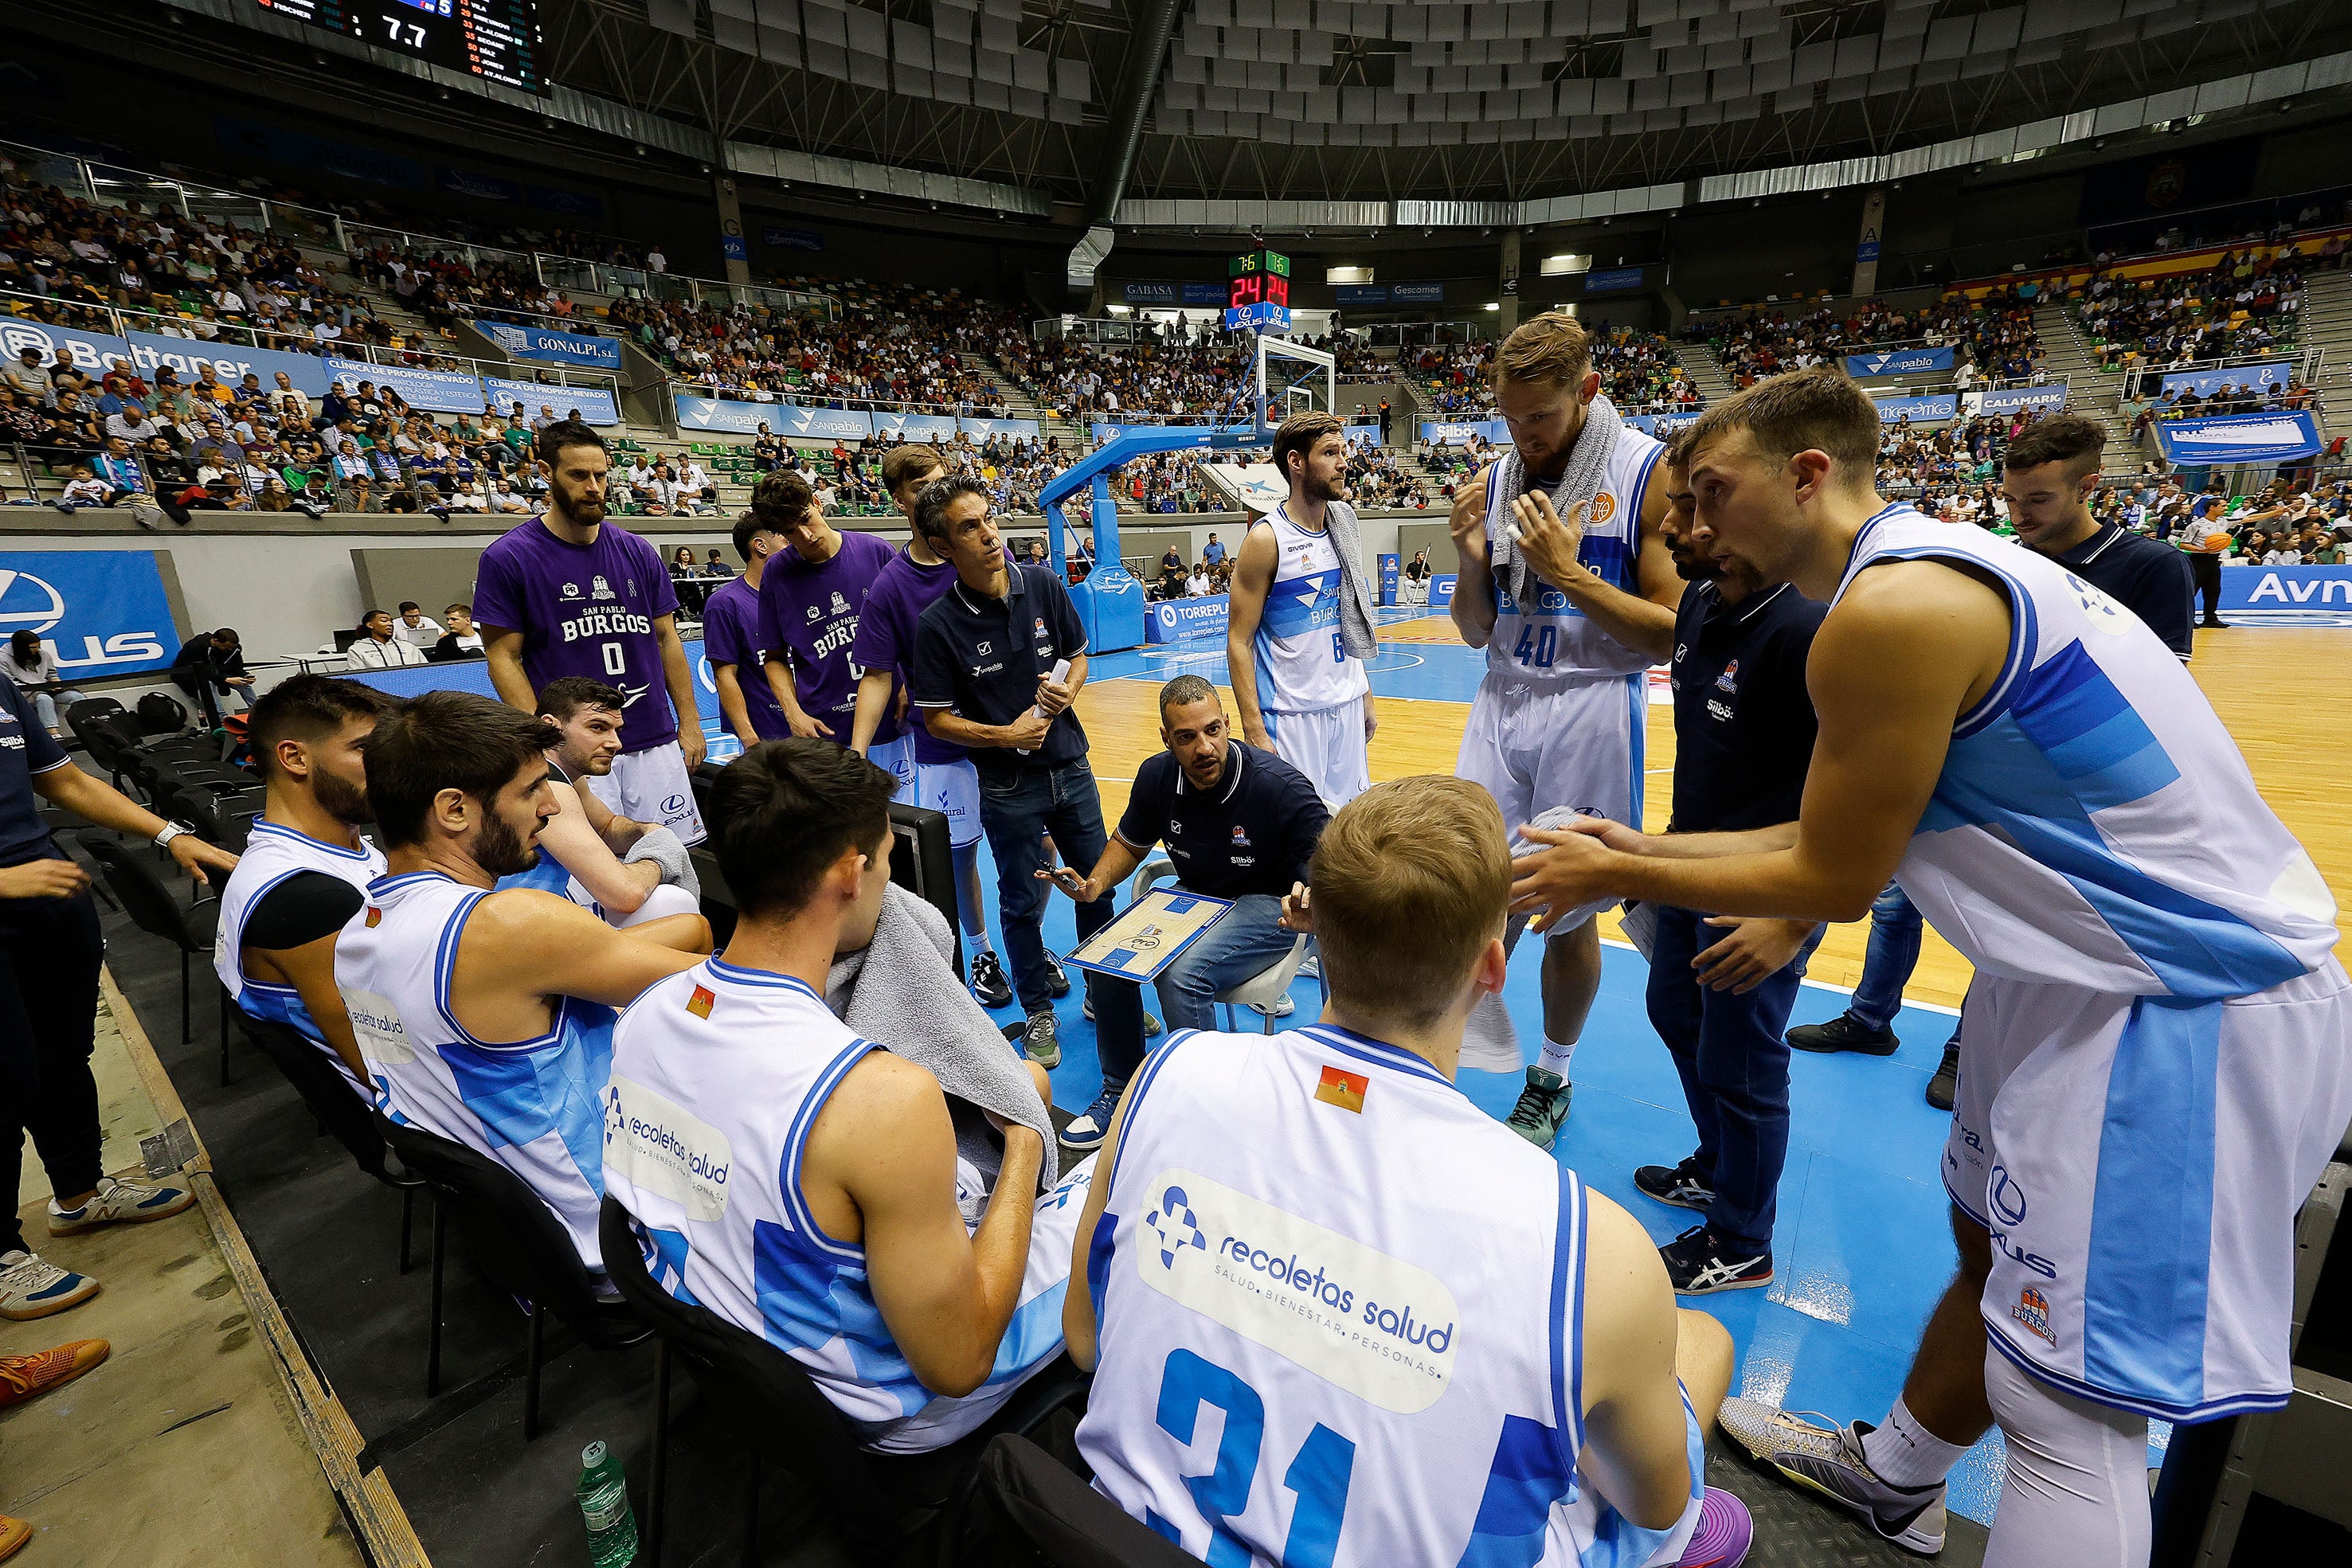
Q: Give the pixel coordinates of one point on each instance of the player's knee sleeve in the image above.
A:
(2075, 1490)
(661, 902)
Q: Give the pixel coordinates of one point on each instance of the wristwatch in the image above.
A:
(171, 831)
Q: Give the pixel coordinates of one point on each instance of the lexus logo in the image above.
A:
(27, 602)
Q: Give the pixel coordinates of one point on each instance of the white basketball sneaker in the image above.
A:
(1829, 1460)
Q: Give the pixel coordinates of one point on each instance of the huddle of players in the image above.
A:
(2017, 742)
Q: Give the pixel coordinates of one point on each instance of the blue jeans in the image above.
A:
(1247, 942)
(1887, 963)
(1733, 1065)
(1016, 810)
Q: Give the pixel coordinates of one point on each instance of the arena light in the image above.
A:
(1493, 305)
(1122, 309)
(1347, 274)
(1564, 264)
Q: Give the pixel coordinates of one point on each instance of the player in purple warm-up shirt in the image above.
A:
(569, 594)
(734, 642)
(810, 603)
(932, 773)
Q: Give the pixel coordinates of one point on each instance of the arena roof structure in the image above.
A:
(1336, 101)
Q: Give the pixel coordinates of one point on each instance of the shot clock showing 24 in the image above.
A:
(1257, 296)
(496, 40)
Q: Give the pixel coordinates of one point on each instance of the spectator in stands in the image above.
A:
(379, 647)
(32, 665)
(461, 641)
(215, 661)
(412, 627)
(353, 480)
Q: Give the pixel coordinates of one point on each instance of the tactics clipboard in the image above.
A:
(1150, 934)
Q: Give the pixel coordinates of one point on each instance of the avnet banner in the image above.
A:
(556, 348)
(1185, 620)
(2286, 587)
(2008, 400)
(2245, 438)
(596, 403)
(105, 612)
(1898, 362)
(2205, 383)
(1941, 409)
(443, 391)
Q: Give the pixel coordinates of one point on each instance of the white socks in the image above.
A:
(1903, 1453)
(978, 940)
(1555, 1056)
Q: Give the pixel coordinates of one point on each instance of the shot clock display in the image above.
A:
(497, 40)
(1258, 295)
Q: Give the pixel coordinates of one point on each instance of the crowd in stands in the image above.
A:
(2249, 302)
(67, 261)
(200, 443)
(1994, 340)
(1638, 370)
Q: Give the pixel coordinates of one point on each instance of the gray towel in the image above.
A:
(1588, 464)
(1356, 635)
(1489, 1041)
(920, 1010)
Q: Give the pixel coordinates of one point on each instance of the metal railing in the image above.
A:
(2147, 381)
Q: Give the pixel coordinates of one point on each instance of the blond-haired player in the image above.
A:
(1425, 1342)
(1567, 586)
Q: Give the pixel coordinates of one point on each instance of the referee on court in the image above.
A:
(1720, 986)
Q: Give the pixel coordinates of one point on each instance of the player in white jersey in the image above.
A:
(805, 1185)
(624, 871)
(304, 872)
(1300, 693)
(484, 1017)
(2157, 1060)
(1425, 1342)
(1571, 613)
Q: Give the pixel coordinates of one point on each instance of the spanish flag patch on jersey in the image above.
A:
(1343, 1089)
(700, 1004)
(375, 917)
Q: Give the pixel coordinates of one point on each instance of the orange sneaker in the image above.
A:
(14, 1533)
(24, 1377)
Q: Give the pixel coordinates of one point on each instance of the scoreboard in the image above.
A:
(496, 40)
(1258, 293)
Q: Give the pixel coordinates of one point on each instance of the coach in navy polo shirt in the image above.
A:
(982, 676)
(1239, 823)
(1720, 988)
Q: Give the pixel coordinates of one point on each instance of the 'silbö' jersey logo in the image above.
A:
(28, 604)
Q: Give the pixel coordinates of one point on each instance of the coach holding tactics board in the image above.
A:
(568, 594)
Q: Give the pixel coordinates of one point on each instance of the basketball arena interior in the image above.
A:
(538, 481)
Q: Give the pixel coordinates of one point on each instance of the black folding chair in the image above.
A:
(1042, 1512)
(337, 1108)
(893, 1508)
(153, 910)
(515, 1240)
(223, 820)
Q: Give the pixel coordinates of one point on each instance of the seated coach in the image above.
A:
(485, 1017)
(1239, 823)
(803, 1183)
(1317, 1243)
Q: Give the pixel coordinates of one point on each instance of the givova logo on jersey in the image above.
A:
(1379, 1327)
(659, 1148)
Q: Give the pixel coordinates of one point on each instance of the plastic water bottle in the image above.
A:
(603, 1494)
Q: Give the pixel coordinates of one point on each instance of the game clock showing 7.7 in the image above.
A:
(496, 40)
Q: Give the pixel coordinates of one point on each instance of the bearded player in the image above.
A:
(2158, 1061)
(1565, 583)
